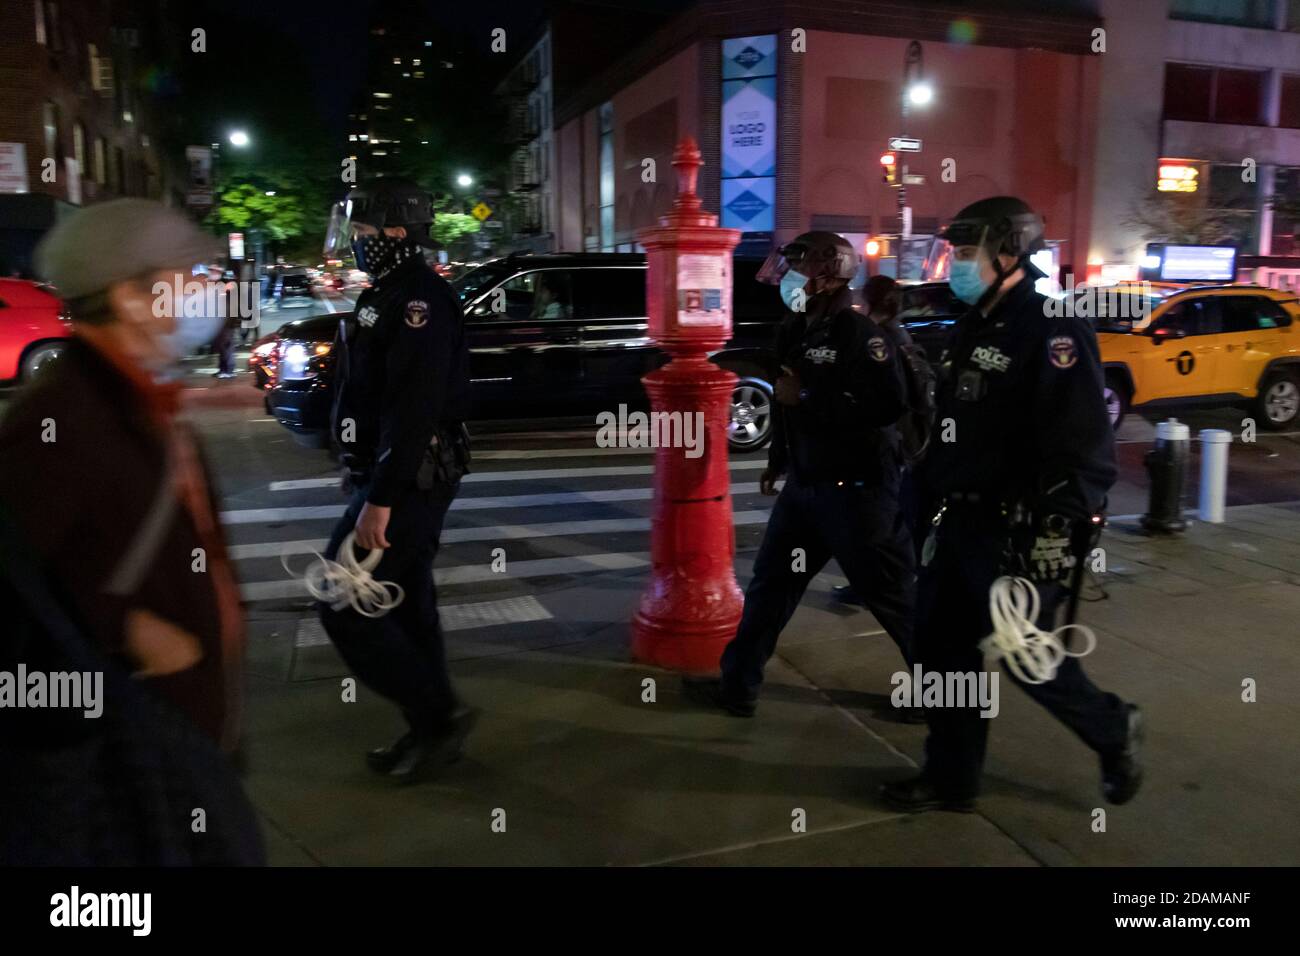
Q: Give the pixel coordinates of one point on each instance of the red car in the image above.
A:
(33, 328)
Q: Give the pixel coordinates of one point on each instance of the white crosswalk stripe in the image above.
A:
(576, 547)
(544, 474)
(604, 495)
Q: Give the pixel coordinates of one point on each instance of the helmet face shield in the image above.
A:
(814, 254)
(338, 234)
(774, 267)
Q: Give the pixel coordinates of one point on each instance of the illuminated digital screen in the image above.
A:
(1198, 264)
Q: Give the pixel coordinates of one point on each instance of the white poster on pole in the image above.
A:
(13, 168)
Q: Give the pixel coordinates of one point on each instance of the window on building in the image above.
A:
(50, 116)
(1213, 95)
(1292, 23)
(1241, 13)
(1289, 108)
(101, 175)
(79, 147)
(50, 21)
(1286, 211)
(40, 22)
(120, 163)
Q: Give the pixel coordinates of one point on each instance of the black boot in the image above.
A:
(1121, 772)
(917, 794)
(710, 692)
(431, 752)
(846, 595)
(385, 759)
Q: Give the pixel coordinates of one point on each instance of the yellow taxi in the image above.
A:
(1200, 344)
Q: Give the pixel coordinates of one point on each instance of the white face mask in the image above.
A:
(196, 324)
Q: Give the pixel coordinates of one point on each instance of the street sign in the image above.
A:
(481, 211)
(905, 144)
(913, 179)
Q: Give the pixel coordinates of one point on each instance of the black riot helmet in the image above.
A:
(382, 203)
(815, 254)
(1000, 225)
(1003, 225)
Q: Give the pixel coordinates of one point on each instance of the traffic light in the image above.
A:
(876, 247)
(889, 166)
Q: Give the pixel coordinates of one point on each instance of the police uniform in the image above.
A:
(1021, 421)
(402, 376)
(839, 451)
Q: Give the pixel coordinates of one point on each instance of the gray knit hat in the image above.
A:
(122, 239)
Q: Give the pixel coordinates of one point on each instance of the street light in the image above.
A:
(916, 92)
(239, 138)
(920, 93)
(464, 180)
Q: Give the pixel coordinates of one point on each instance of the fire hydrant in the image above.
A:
(692, 604)
(1166, 464)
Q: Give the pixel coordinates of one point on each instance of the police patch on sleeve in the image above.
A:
(417, 313)
(878, 350)
(1063, 351)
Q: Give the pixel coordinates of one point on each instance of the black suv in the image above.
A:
(572, 338)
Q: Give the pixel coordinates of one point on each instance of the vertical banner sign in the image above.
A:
(748, 166)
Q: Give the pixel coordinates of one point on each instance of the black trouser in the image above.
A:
(401, 655)
(860, 526)
(225, 347)
(953, 617)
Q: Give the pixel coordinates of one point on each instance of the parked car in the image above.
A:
(580, 347)
(292, 288)
(1200, 345)
(33, 329)
(262, 360)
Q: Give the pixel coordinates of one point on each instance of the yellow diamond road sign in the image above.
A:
(481, 211)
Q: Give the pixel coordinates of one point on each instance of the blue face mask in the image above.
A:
(791, 283)
(965, 282)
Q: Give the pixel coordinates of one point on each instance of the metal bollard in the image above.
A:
(1214, 473)
(1166, 465)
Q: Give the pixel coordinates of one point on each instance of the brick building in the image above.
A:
(74, 128)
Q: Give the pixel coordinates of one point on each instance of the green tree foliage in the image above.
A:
(450, 226)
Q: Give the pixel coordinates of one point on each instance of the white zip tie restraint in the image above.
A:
(1032, 655)
(347, 581)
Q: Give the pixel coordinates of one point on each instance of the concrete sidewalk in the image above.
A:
(584, 772)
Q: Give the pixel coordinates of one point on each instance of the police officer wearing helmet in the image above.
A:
(402, 396)
(1016, 483)
(839, 395)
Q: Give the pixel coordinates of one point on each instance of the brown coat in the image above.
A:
(93, 507)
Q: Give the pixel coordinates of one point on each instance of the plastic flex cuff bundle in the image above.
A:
(347, 581)
(1030, 654)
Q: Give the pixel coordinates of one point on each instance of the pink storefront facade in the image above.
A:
(1013, 111)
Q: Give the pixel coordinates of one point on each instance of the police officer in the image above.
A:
(840, 392)
(1024, 459)
(402, 395)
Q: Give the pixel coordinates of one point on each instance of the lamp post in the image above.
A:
(915, 92)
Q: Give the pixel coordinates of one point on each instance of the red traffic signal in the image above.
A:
(889, 166)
